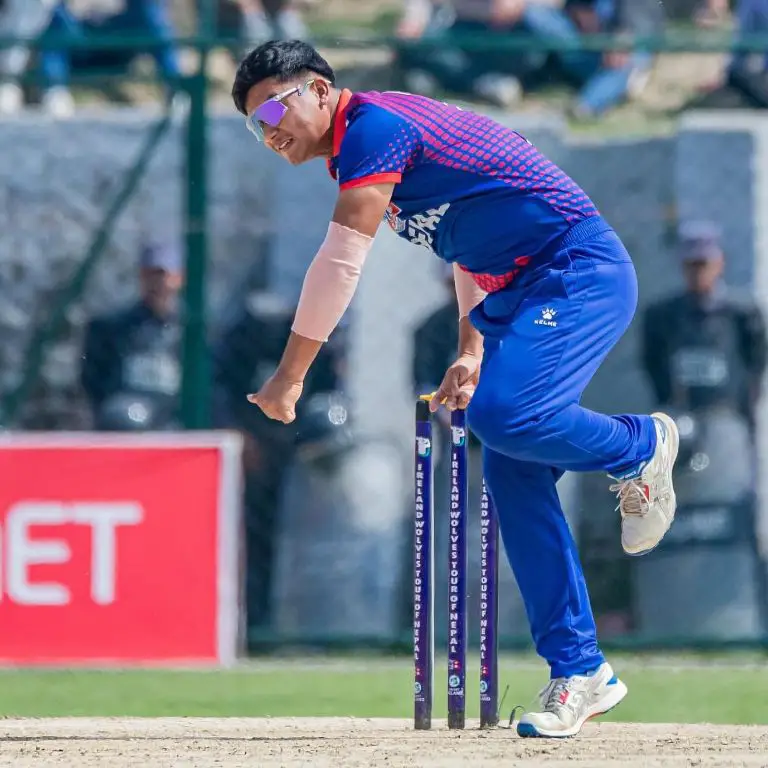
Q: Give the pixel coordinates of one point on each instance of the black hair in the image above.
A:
(283, 59)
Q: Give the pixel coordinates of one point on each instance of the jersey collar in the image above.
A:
(339, 128)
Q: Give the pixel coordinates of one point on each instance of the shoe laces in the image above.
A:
(562, 693)
(632, 496)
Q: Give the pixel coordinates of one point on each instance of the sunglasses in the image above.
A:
(272, 111)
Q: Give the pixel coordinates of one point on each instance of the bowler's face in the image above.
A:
(298, 136)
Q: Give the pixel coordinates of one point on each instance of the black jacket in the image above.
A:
(132, 350)
(731, 324)
(248, 351)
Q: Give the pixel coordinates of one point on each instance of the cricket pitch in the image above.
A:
(347, 742)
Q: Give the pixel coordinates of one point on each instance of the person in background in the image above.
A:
(706, 345)
(20, 18)
(748, 72)
(712, 13)
(604, 79)
(493, 75)
(119, 18)
(136, 351)
(743, 83)
(244, 356)
(264, 20)
(435, 341)
(339, 538)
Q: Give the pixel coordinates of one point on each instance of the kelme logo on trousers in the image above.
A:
(547, 318)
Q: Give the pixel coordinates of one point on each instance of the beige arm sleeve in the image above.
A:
(468, 292)
(330, 282)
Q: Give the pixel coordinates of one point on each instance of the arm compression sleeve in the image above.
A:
(330, 282)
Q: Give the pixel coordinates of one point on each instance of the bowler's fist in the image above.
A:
(278, 398)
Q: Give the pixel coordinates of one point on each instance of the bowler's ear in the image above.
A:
(323, 90)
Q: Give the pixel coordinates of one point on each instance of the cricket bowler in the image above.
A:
(545, 290)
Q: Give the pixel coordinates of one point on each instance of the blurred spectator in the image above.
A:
(79, 19)
(340, 532)
(436, 341)
(704, 350)
(748, 72)
(132, 357)
(256, 21)
(705, 347)
(744, 83)
(606, 79)
(435, 345)
(497, 76)
(492, 75)
(712, 13)
(21, 18)
(271, 20)
(246, 354)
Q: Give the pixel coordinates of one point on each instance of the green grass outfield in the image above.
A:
(661, 689)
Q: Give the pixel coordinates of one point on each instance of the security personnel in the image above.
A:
(339, 543)
(137, 350)
(435, 342)
(246, 353)
(704, 351)
(706, 346)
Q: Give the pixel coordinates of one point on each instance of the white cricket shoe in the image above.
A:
(647, 502)
(568, 702)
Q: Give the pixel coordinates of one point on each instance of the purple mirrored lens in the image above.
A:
(270, 112)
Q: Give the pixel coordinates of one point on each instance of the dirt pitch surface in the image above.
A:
(342, 743)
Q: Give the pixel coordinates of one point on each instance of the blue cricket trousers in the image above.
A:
(545, 337)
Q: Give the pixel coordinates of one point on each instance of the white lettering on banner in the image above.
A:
(21, 551)
(104, 520)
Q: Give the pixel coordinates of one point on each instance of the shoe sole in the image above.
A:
(617, 693)
(671, 428)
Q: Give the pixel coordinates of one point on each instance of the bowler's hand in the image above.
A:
(459, 384)
(278, 397)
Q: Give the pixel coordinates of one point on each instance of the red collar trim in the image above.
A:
(340, 120)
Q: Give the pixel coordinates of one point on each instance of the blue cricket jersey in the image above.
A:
(467, 188)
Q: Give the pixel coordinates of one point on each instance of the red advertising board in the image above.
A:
(119, 549)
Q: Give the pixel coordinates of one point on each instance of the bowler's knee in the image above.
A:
(502, 422)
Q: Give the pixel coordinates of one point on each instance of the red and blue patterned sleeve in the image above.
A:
(377, 148)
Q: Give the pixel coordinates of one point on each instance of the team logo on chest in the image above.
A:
(420, 228)
(392, 217)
